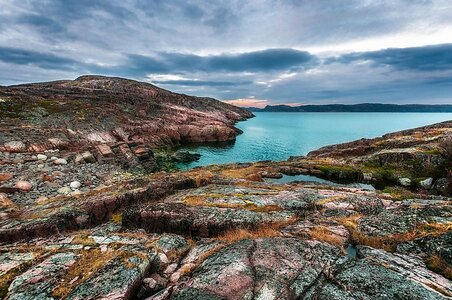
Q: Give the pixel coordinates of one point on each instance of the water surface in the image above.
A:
(278, 135)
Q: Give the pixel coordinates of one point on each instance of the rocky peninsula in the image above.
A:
(88, 210)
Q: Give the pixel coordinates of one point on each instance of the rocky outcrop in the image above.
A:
(95, 110)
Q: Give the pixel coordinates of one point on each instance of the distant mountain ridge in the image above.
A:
(363, 107)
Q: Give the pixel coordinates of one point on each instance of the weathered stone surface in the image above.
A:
(381, 275)
(253, 269)
(119, 279)
(15, 146)
(39, 281)
(196, 220)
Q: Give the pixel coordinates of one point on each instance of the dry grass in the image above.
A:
(330, 199)
(83, 239)
(439, 265)
(88, 264)
(263, 231)
(188, 268)
(322, 233)
(390, 242)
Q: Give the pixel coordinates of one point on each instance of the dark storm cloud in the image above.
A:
(428, 58)
(42, 60)
(265, 60)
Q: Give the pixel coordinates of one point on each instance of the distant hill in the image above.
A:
(364, 107)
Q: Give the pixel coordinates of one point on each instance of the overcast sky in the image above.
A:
(260, 51)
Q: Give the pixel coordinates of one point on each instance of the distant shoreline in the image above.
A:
(364, 107)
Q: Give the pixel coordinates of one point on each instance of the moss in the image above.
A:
(117, 218)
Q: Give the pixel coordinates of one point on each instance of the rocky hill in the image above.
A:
(91, 110)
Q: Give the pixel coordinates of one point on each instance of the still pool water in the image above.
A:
(278, 135)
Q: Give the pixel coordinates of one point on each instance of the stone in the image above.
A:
(253, 269)
(60, 161)
(185, 156)
(150, 283)
(75, 185)
(367, 176)
(426, 183)
(53, 158)
(104, 150)
(23, 185)
(41, 157)
(5, 176)
(15, 146)
(404, 181)
(79, 159)
(88, 157)
(64, 190)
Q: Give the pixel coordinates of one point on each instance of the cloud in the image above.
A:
(39, 59)
(281, 51)
(427, 58)
(248, 102)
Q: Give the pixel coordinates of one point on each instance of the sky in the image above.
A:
(250, 53)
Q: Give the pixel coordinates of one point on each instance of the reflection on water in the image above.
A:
(276, 136)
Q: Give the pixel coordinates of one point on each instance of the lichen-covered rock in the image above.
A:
(201, 221)
(381, 275)
(253, 269)
(39, 281)
(119, 279)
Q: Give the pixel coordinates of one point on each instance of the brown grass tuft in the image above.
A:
(263, 231)
(439, 265)
(88, 264)
(322, 233)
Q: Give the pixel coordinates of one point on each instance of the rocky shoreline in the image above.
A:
(102, 220)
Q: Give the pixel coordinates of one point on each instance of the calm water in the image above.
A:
(276, 136)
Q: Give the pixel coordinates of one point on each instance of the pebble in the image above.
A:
(24, 185)
(65, 190)
(53, 158)
(75, 185)
(405, 181)
(426, 183)
(150, 283)
(41, 157)
(60, 161)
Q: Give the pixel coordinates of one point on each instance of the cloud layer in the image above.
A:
(395, 51)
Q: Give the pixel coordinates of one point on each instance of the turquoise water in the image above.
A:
(276, 136)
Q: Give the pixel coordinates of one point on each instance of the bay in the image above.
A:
(279, 135)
